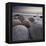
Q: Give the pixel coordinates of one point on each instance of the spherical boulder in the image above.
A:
(20, 32)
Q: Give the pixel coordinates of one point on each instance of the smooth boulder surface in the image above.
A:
(36, 31)
(20, 32)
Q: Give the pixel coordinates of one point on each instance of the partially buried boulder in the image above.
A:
(16, 22)
(26, 23)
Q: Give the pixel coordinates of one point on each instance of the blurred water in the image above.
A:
(37, 18)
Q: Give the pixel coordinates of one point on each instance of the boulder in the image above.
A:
(20, 32)
(36, 32)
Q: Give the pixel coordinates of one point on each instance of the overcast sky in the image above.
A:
(27, 10)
